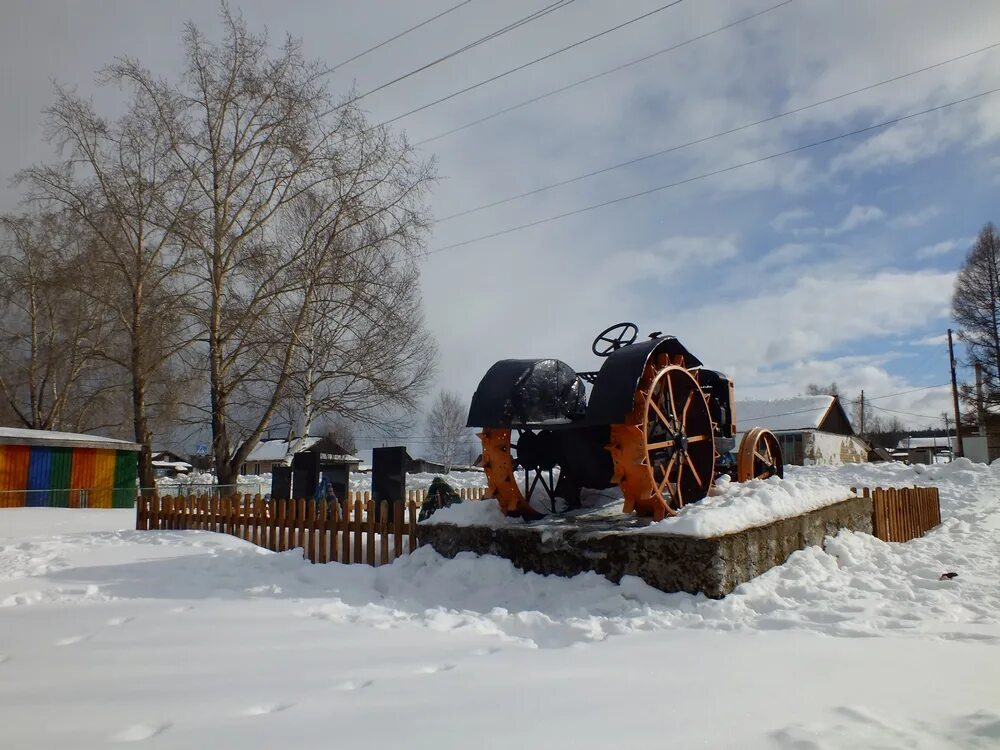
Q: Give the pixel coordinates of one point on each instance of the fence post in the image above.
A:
(370, 541)
(412, 528)
(345, 529)
(398, 511)
(383, 528)
(358, 519)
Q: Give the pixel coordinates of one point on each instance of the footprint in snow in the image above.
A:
(73, 639)
(436, 669)
(352, 685)
(114, 621)
(263, 709)
(139, 732)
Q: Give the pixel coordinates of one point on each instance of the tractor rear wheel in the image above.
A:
(759, 456)
(664, 455)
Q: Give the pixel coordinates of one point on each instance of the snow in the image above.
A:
(277, 450)
(731, 507)
(22, 436)
(473, 513)
(190, 639)
(924, 442)
(802, 413)
(734, 506)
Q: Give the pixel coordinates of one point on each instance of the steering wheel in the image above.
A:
(614, 338)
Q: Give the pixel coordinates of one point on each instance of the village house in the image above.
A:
(811, 429)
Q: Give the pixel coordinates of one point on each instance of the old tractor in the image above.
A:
(656, 423)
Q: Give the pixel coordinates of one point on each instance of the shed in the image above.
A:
(65, 469)
(273, 452)
(315, 462)
(169, 464)
(811, 429)
(925, 450)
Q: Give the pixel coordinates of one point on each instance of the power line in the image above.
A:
(705, 175)
(528, 64)
(907, 413)
(582, 81)
(901, 393)
(706, 138)
(541, 13)
(400, 35)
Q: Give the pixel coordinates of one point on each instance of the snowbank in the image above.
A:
(473, 513)
(734, 506)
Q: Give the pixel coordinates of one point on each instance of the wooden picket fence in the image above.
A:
(904, 513)
(326, 532)
(419, 496)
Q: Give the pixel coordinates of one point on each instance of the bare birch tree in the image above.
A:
(446, 430)
(122, 183)
(52, 335)
(364, 352)
(976, 308)
(256, 130)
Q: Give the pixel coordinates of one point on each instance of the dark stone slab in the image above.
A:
(607, 544)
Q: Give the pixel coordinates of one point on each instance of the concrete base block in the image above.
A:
(607, 545)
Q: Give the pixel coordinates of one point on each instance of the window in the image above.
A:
(256, 468)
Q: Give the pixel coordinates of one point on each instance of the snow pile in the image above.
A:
(472, 513)
(734, 506)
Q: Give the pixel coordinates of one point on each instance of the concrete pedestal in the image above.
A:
(609, 545)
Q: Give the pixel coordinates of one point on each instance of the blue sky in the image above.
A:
(835, 263)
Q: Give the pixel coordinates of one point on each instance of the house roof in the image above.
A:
(277, 450)
(54, 439)
(924, 442)
(783, 414)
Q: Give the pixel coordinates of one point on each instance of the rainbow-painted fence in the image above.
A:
(63, 476)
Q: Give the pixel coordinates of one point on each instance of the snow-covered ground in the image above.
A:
(191, 640)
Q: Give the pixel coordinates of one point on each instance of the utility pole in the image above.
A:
(958, 452)
(862, 413)
(947, 434)
(980, 410)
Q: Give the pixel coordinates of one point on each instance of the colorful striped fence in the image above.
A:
(44, 476)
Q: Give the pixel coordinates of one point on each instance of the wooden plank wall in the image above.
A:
(904, 513)
(326, 532)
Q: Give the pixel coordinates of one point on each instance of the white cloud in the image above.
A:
(791, 216)
(858, 216)
(932, 340)
(671, 257)
(915, 218)
(783, 254)
(944, 247)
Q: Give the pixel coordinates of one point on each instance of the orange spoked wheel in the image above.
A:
(664, 457)
(499, 463)
(759, 456)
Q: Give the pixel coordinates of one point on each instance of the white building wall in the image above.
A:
(828, 449)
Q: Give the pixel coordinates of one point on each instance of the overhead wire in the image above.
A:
(713, 173)
(528, 64)
(615, 69)
(906, 413)
(540, 13)
(400, 35)
(711, 137)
